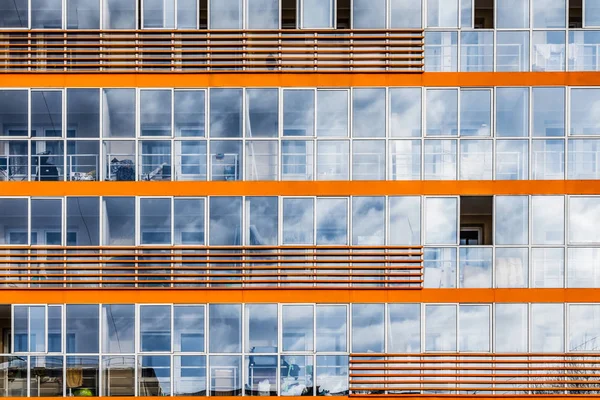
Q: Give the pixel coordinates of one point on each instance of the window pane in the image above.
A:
(548, 268)
(48, 369)
(592, 13)
(155, 112)
(369, 14)
(512, 112)
(442, 13)
(261, 160)
(263, 217)
(189, 221)
(368, 226)
(226, 160)
(155, 376)
(332, 375)
(118, 328)
(299, 111)
(159, 13)
(13, 110)
(584, 214)
(155, 221)
(440, 160)
(440, 328)
(547, 325)
(368, 160)
(155, 328)
(189, 113)
(584, 121)
(298, 221)
(332, 160)
(332, 221)
(511, 328)
(55, 328)
(404, 328)
(20, 321)
(83, 14)
(297, 325)
(119, 14)
(46, 14)
(262, 106)
(581, 57)
(368, 328)
(548, 219)
(441, 220)
(189, 328)
(439, 267)
(549, 13)
(317, 14)
(512, 13)
(331, 328)
(119, 221)
(303, 370)
(297, 160)
(46, 113)
(548, 51)
(405, 112)
(46, 222)
(512, 159)
(583, 159)
(225, 375)
(477, 51)
(332, 113)
(583, 265)
(442, 112)
(262, 14)
(475, 267)
(405, 160)
(225, 14)
(14, 159)
(83, 221)
(512, 51)
(155, 160)
(225, 221)
(189, 376)
(475, 112)
(190, 160)
(118, 375)
(441, 51)
(512, 268)
(89, 366)
(476, 159)
(82, 325)
(118, 113)
(261, 328)
(225, 328)
(474, 322)
(584, 327)
(368, 112)
(405, 14)
(226, 113)
(548, 112)
(548, 159)
(14, 221)
(404, 220)
(512, 221)
(14, 14)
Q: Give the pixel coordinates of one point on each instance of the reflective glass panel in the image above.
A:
(440, 328)
(332, 113)
(118, 328)
(331, 328)
(298, 221)
(441, 220)
(188, 328)
(225, 328)
(547, 328)
(82, 328)
(155, 328)
(332, 221)
(262, 108)
(512, 221)
(368, 112)
(368, 328)
(225, 113)
(298, 328)
(511, 328)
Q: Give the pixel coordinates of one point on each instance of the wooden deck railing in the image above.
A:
(469, 374)
(212, 266)
(211, 50)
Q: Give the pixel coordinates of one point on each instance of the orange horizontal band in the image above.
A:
(360, 396)
(318, 188)
(282, 295)
(276, 79)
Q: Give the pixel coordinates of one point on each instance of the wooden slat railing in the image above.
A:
(211, 50)
(469, 374)
(397, 267)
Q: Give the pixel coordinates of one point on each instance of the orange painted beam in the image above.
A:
(365, 397)
(276, 79)
(282, 295)
(311, 188)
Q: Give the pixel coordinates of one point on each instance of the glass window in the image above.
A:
(119, 14)
(118, 375)
(46, 369)
(14, 159)
(442, 13)
(189, 113)
(261, 329)
(405, 112)
(83, 221)
(155, 160)
(262, 221)
(440, 328)
(548, 159)
(512, 112)
(584, 120)
(82, 325)
(583, 159)
(13, 110)
(47, 160)
(225, 375)
(225, 221)
(476, 159)
(404, 220)
(188, 326)
(155, 221)
(261, 160)
(332, 113)
(547, 328)
(118, 115)
(298, 327)
(512, 51)
(474, 332)
(118, 328)
(512, 267)
(225, 113)
(548, 51)
(159, 13)
(368, 221)
(476, 51)
(592, 13)
(155, 328)
(441, 216)
(154, 376)
(405, 14)
(548, 268)
(369, 14)
(549, 13)
(46, 113)
(404, 328)
(297, 158)
(46, 222)
(83, 160)
(584, 327)
(439, 160)
(583, 267)
(189, 221)
(442, 112)
(46, 14)
(155, 112)
(332, 160)
(584, 213)
(187, 14)
(225, 328)
(189, 377)
(512, 159)
(14, 221)
(119, 221)
(190, 160)
(512, 14)
(29, 324)
(475, 267)
(299, 111)
(511, 220)
(475, 112)
(332, 221)
(226, 161)
(225, 14)
(439, 267)
(89, 367)
(368, 112)
(262, 108)
(332, 375)
(14, 14)
(466, 13)
(548, 219)
(511, 328)
(441, 51)
(331, 328)
(317, 14)
(581, 58)
(298, 221)
(83, 14)
(262, 14)
(298, 370)
(548, 112)
(368, 328)
(405, 160)
(368, 160)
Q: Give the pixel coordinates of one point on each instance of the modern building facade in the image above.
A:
(353, 198)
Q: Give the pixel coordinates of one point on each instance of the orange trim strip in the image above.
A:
(274, 79)
(283, 295)
(362, 397)
(319, 188)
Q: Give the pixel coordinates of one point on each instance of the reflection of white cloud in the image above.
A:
(584, 215)
(440, 220)
(332, 113)
(225, 14)
(368, 225)
(440, 328)
(332, 224)
(548, 218)
(368, 112)
(367, 328)
(405, 220)
(298, 221)
(263, 14)
(584, 327)
(547, 324)
(512, 219)
(474, 326)
(511, 328)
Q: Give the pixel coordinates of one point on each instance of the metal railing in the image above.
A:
(211, 50)
(211, 266)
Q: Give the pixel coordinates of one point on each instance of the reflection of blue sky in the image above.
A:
(367, 328)
(225, 221)
(226, 112)
(512, 220)
(332, 221)
(404, 328)
(298, 221)
(368, 112)
(405, 112)
(368, 224)
(225, 325)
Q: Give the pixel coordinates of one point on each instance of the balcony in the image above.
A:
(396, 267)
(474, 374)
(211, 51)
